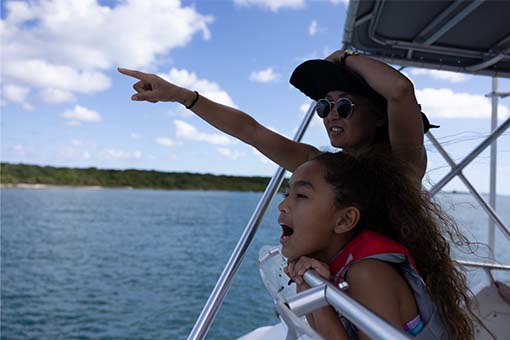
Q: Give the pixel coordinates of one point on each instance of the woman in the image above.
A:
(370, 103)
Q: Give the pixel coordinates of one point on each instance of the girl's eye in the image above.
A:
(286, 194)
(301, 196)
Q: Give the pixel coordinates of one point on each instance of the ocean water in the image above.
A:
(140, 264)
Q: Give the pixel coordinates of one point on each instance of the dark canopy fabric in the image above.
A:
(463, 36)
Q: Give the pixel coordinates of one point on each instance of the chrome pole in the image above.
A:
(492, 187)
(222, 286)
(362, 317)
(295, 325)
(492, 214)
(484, 265)
(457, 169)
(308, 301)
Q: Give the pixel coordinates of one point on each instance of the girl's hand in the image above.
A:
(296, 269)
(152, 88)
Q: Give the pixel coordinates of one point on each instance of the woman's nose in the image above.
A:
(333, 113)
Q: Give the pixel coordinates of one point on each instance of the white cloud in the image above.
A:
(135, 136)
(73, 123)
(453, 77)
(50, 95)
(276, 131)
(164, 141)
(27, 106)
(264, 76)
(312, 29)
(336, 2)
(13, 93)
(187, 131)
(72, 153)
(190, 80)
(80, 114)
(444, 103)
(68, 45)
(19, 149)
(304, 108)
(316, 120)
(116, 154)
(273, 5)
(85, 155)
(75, 142)
(229, 153)
(181, 111)
(19, 12)
(263, 159)
(42, 74)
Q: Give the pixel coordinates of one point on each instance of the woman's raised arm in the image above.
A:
(404, 117)
(281, 150)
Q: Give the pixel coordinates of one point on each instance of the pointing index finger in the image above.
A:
(132, 73)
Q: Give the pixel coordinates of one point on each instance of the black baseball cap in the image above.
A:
(317, 77)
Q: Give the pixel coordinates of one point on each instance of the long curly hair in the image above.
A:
(392, 204)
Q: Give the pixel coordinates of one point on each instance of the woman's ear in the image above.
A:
(348, 219)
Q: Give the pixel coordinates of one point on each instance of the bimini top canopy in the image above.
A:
(463, 36)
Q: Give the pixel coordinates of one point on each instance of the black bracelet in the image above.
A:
(194, 100)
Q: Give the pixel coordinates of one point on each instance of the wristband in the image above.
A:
(194, 101)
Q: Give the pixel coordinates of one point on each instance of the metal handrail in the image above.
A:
(223, 284)
(296, 326)
(321, 293)
(371, 324)
(488, 266)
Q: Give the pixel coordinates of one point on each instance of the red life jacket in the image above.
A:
(367, 244)
(371, 245)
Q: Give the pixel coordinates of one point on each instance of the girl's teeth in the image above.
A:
(337, 129)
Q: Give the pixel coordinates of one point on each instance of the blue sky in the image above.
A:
(64, 104)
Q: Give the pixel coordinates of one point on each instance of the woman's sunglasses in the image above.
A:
(343, 106)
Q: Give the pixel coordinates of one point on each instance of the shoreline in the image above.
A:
(38, 177)
(97, 187)
(53, 186)
(40, 186)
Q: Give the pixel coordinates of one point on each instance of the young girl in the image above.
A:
(362, 220)
(363, 102)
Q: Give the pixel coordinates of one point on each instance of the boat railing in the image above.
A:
(486, 266)
(292, 307)
(457, 171)
(324, 292)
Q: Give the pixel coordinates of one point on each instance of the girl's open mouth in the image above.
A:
(286, 233)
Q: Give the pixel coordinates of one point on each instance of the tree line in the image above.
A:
(14, 174)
